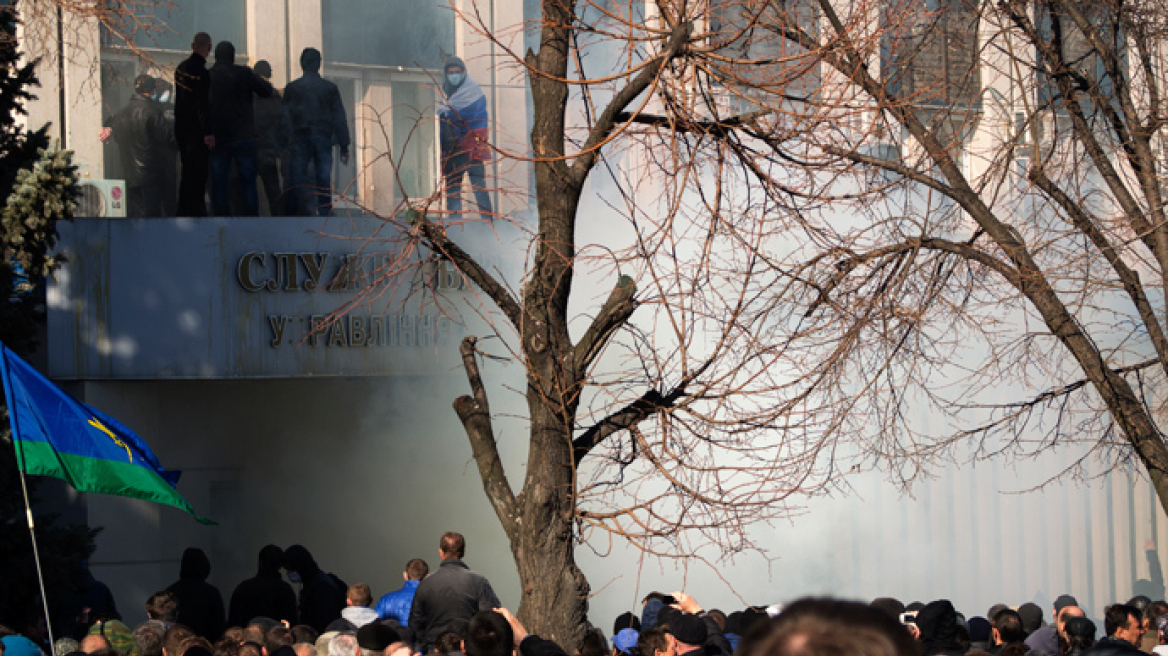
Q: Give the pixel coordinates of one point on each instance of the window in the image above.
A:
(931, 57)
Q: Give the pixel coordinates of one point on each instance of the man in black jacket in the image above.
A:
(268, 118)
(314, 119)
(1125, 627)
(322, 596)
(192, 126)
(448, 598)
(233, 125)
(200, 606)
(144, 141)
(264, 595)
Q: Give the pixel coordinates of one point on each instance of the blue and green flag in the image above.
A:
(57, 435)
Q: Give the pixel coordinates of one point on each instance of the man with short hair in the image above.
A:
(820, 627)
(1152, 620)
(344, 644)
(489, 633)
(268, 117)
(192, 126)
(1048, 640)
(356, 612)
(173, 639)
(148, 636)
(396, 605)
(162, 606)
(448, 598)
(249, 648)
(313, 120)
(1125, 626)
(1007, 630)
(233, 87)
(1045, 641)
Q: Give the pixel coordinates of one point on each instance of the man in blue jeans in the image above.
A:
(233, 126)
(314, 119)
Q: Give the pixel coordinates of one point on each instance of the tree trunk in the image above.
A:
(554, 602)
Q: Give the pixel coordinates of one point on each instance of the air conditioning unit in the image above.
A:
(101, 198)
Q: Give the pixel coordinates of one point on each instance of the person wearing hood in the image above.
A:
(464, 130)
(200, 606)
(322, 596)
(938, 626)
(266, 594)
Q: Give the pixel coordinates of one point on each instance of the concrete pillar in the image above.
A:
(36, 34)
(305, 30)
(374, 149)
(83, 105)
(267, 38)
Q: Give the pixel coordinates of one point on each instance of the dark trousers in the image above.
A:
(454, 168)
(243, 153)
(192, 185)
(312, 172)
(269, 169)
(144, 200)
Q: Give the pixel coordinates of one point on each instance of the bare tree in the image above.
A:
(130, 24)
(840, 215)
(971, 196)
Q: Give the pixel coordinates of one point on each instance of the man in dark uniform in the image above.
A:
(314, 120)
(269, 140)
(144, 141)
(192, 126)
(233, 87)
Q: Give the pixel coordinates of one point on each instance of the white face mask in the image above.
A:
(455, 79)
(165, 97)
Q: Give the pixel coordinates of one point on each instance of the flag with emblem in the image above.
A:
(57, 435)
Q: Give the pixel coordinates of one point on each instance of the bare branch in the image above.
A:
(475, 413)
(613, 314)
(436, 236)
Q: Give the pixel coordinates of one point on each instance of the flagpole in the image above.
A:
(36, 556)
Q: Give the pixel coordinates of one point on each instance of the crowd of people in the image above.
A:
(230, 126)
(453, 611)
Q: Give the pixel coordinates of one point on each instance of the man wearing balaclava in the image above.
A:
(464, 133)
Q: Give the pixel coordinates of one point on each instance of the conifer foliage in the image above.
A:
(37, 188)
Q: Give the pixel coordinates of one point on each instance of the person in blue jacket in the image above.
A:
(396, 605)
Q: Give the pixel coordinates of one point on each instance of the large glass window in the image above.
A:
(1086, 64)
(172, 28)
(931, 55)
(403, 33)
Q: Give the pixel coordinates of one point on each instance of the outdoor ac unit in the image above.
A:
(101, 198)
